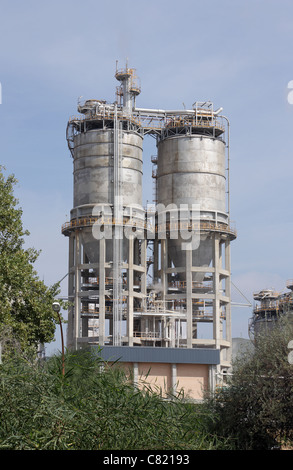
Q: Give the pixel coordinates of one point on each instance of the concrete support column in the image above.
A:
(172, 333)
(84, 319)
(216, 286)
(135, 374)
(156, 259)
(189, 297)
(130, 292)
(228, 294)
(164, 266)
(212, 378)
(174, 377)
(77, 288)
(70, 324)
(143, 263)
(102, 282)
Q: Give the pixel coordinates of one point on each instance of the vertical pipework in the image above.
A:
(118, 235)
(129, 88)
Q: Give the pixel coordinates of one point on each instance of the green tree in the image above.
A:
(256, 408)
(26, 315)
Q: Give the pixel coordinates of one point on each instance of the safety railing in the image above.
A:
(154, 121)
(271, 308)
(158, 228)
(148, 334)
(105, 116)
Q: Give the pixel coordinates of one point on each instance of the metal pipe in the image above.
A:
(164, 111)
(174, 111)
(217, 111)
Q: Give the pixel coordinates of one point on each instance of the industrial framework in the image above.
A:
(149, 276)
(269, 307)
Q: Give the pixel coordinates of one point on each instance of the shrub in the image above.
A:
(95, 406)
(255, 409)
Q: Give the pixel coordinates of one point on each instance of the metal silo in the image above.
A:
(192, 170)
(105, 260)
(192, 173)
(94, 179)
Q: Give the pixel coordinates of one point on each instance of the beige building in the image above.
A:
(168, 370)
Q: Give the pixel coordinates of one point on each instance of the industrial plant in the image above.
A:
(151, 286)
(270, 306)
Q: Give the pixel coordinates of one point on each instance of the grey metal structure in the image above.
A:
(196, 280)
(269, 307)
(188, 231)
(107, 156)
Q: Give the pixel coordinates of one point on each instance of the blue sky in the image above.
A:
(237, 54)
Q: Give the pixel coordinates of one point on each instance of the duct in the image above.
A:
(175, 111)
(164, 111)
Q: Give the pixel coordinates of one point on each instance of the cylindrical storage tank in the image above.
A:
(94, 167)
(94, 177)
(191, 170)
